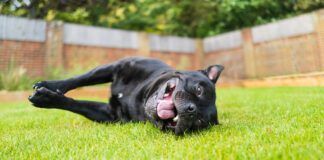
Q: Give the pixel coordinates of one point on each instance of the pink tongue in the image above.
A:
(165, 109)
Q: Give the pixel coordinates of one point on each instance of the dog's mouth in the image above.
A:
(166, 110)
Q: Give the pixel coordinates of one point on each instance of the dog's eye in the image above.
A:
(199, 90)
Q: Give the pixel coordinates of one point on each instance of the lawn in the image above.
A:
(259, 123)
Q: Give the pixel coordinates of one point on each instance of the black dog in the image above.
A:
(142, 89)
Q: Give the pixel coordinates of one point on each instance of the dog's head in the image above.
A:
(184, 101)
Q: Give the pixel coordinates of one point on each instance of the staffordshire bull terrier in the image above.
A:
(141, 89)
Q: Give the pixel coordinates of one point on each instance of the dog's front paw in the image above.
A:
(50, 85)
(45, 98)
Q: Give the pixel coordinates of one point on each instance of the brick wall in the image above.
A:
(290, 46)
(22, 44)
(29, 55)
(319, 20)
(177, 60)
(287, 56)
(90, 56)
(233, 61)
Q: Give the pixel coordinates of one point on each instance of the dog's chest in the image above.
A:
(124, 99)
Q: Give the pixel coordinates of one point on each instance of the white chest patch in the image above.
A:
(120, 95)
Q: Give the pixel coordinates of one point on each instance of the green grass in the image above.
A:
(261, 123)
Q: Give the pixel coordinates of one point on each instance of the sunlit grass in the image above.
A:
(262, 123)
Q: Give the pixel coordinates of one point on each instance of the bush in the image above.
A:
(15, 78)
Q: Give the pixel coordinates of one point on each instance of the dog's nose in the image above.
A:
(191, 108)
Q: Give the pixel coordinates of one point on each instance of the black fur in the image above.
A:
(136, 85)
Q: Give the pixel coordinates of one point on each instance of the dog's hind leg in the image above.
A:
(101, 74)
(96, 111)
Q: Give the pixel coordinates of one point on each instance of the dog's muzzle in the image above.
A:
(187, 112)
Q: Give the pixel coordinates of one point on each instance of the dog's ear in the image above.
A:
(213, 72)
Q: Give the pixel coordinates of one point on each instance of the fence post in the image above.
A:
(54, 45)
(319, 27)
(199, 54)
(248, 54)
(144, 44)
